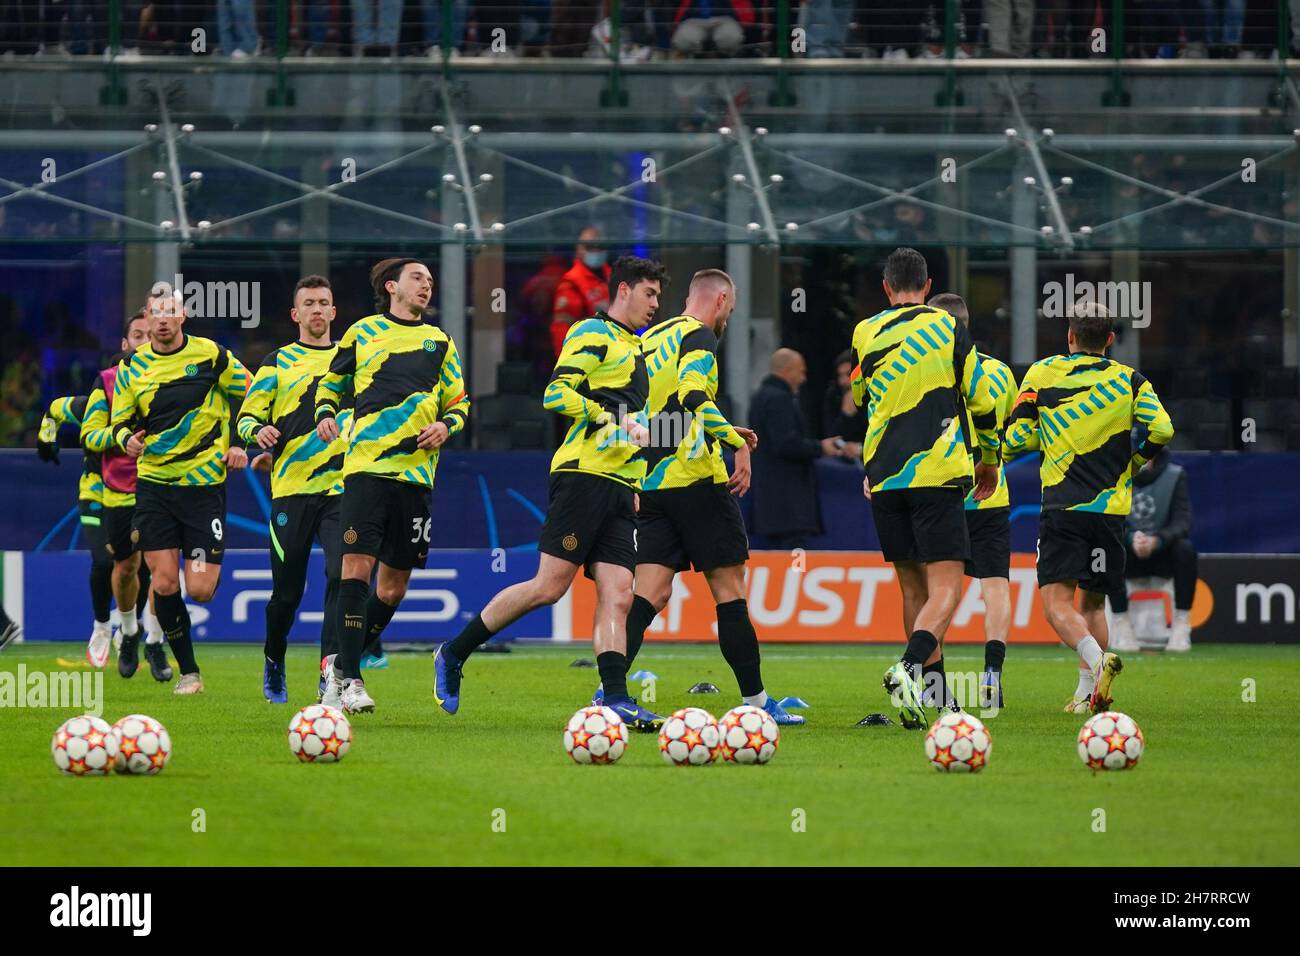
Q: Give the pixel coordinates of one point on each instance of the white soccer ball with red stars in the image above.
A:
(84, 746)
(958, 743)
(143, 745)
(749, 735)
(690, 737)
(1111, 741)
(595, 735)
(319, 734)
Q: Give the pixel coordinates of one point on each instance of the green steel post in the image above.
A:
(614, 95)
(1117, 96)
(114, 94)
(781, 95)
(282, 94)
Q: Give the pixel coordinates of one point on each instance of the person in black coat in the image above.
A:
(787, 508)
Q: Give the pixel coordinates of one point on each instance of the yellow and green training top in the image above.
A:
(911, 365)
(97, 438)
(1003, 386)
(283, 395)
(403, 375)
(1079, 410)
(72, 410)
(599, 377)
(687, 431)
(182, 400)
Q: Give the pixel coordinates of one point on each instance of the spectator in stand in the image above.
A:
(1157, 533)
(433, 17)
(1295, 27)
(711, 25)
(375, 27)
(237, 28)
(571, 23)
(787, 507)
(1222, 24)
(826, 25)
(1011, 27)
(840, 414)
(584, 289)
(320, 16)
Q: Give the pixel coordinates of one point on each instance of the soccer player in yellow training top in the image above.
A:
(172, 400)
(988, 522)
(405, 379)
(600, 381)
(915, 366)
(278, 417)
(690, 513)
(1079, 410)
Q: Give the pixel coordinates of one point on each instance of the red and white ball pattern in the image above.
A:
(143, 745)
(690, 737)
(595, 735)
(84, 746)
(749, 735)
(319, 734)
(958, 743)
(1111, 741)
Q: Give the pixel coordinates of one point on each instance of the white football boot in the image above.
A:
(332, 694)
(101, 642)
(355, 698)
(1122, 638)
(189, 684)
(1180, 638)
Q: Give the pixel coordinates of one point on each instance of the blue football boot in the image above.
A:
(274, 687)
(598, 698)
(635, 716)
(781, 715)
(446, 680)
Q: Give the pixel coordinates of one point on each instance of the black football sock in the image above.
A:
(329, 629)
(613, 674)
(142, 600)
(919, 648)
(995, 652)
(175, 621)
(351, 627)
(638, 619)
(474, 636)
(739, 646)
(279, 618)
(378, 614)
(934, 685)
(101, 590)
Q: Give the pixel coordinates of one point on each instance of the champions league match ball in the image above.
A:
(749, 735)
(143, 745)
(319, 734)
(84, 746)
(1111, 741)
(690, 737)
(595, 735)
(958, 743)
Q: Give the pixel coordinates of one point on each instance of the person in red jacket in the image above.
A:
(583, 290)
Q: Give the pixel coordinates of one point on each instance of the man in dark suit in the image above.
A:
(787, 510)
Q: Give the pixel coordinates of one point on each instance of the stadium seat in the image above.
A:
(511, 421)
(515, 378)
(1213, 436)
(1190, 383)
(1281, 382)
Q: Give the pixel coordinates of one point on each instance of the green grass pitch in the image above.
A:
(1217, 784)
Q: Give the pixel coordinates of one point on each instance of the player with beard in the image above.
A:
(689, 514)
(600, 381)
(405, 379)
(172, 401)
(278, 417)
